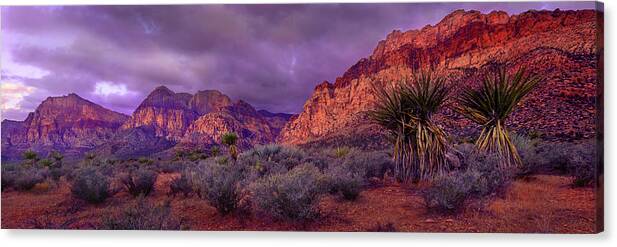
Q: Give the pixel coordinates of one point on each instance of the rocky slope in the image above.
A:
(69, 124)
(73, 125)
(198, 121)
(168, 113)
(563, 46)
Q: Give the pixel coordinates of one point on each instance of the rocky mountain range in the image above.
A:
(163, 120)
(564, 47)
(69, 124)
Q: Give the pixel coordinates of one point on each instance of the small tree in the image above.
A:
(229, 139)
(490, 105)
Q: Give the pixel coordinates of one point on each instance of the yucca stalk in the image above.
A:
(229, 139)
(490, 105)
(405, 111)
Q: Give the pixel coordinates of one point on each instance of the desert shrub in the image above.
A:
(139, 182)
(197, 155)
(344, 180)
(172, 166)
(215, 151)
(46, 163)
(8, 179)
(222, 160)
(182, 184)
(449, 193)
(286, 156)
(558, 155)
(341, 152)
(145, 161)
(90, 185)
(142, 215)
(290, 196)
(369, 164)
(25, 182)
(584, 171)
(56, 173)
(27, 178)
(9, 175)
(575, 159)
(30, 156)
(219, 184)
(532, 161)
(490, 178)
(482, 178)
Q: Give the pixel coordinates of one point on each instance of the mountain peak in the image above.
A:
(469, 43)
(162, 96)
(160, 91)
(206, 101)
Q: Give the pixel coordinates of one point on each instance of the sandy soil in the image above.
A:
(542, 204)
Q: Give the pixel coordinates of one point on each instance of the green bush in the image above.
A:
(139, 182)
(142, 215)
(90, 185)
(219, 184)
(291, 196)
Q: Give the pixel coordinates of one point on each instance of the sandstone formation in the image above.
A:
(198, 121)
(167, 112)
(69, 124)
(564, 47)
(164, 119)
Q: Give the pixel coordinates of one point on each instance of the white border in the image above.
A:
(49, 238)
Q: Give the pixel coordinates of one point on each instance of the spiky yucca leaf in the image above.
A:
(405, 112)
(491, 104)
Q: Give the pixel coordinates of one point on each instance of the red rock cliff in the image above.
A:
(562, 46)
(67, 123)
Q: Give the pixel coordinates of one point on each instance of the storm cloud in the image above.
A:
(271, 56)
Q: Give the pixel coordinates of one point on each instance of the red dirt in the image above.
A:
(542, 204)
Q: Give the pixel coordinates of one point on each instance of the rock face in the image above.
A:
(198, 120)
(133, 143)
(252, 128)
(564, 47)
(73, 125)
(168, 113)
(69, 124)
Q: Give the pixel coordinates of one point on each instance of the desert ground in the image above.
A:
(541, 203)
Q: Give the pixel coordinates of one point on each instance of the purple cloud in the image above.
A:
(271, 56)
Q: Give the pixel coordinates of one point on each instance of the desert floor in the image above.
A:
(542, 203)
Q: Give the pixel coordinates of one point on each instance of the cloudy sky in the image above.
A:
(271, 56)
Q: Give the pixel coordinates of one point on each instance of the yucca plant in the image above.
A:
(229, 139)
(490, 105)
(405, 111)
